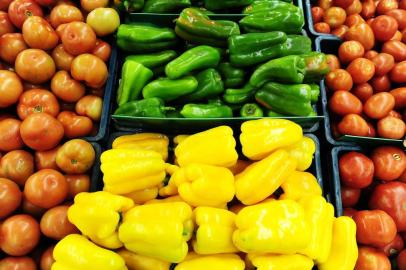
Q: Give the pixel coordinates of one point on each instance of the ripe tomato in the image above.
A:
(384, 27)
(6, 26)
(90, 106)
(401, 260)
(65, 14)
(74, 125)
(41, 131)
(17, 166)
(10, 46)
(10, 197)
(47, 259)
(398, 72)
(340, 31)
(39, 34)
(389, 161)
(325, 4)
(90, 69)
(46, 159)
(317, 14)
(322, 27)
(66, 88)
(4, 4)
(20, 235)
(343, 3)
(349, 212)
(391, 128)
(393, 247)
(395, 48)
(349, 51)
(339, 79)
(397, 36)
(353, 124)
(368, 9)
(333, 62)
(400, 97)
(35, 101)
(370, 54)
(356, 170)
(400, 17)
(371, 130)
(17, 263)
(62, 59)
(363, 33)
(381, 83)
(77, 183)
(46, 188)
(105, 21)
(372, 259)
(363, 91)
(32, 210)
(361, 70)
(385, 6)
(55, 224)
(334, 17)
(354, 19)
(10, 138)
(354, 8)
(395, 114)
(46, 3)
(20, 10)
(343, 103)
(78, 38)
(10, 88)
(75, 157)
(350, 196)
(102, 50)
(383, 63)
(404, 36)
(35, 66)
(89, 5)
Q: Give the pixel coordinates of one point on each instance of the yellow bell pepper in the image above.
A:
(277, 226)
(282, 262)
(261, 137)
(203, 185)
(240, 166)
(75, 252)
(260, 180)
(214, 262)
(129, 170)
(300, 184)
(179, 138)
(215, 147)
(303, 152)
(160, 230)
(344, 249)
(142, 196)
(139, 262)
(170, 199)
(97, 216)
(320, 216)
(214, 234)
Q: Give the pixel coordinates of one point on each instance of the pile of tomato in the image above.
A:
(367, 79)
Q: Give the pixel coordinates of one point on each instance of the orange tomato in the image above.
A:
(55, 224)
(395, 48)
(361, 70)
(39, 34)
(343, 3)
(322, 27)
(47, 259)
(18, 263)
(10, 46)
(400, 97)
(372, 259)
(75, 156)
(368, 9)
(363, 91)
(350, 50)
(46, 159)
(354, 8)
(10, 138)
(35, 101)
(17, 166)
(77, 183)
(383, 63)
(384, 27)
(379, 105)
(391, 127)
(78, 38)
(385, 6)
(343, 103)
(102, 50)
(340, 31)
(398, 72)
(66, 88)
(353, 124)
(333, 62)
(353, 19)
(400, 17)
(65, 14)
(90, 106)
(90, 69)
(339, 79)
(6, 26)
(334, 17)
(74, 125)
(90, 5)
(363, 33)
(325, 4)
(370, 54)
(10, 197)
(35, 66)
(10, 88)
(317, 14)
(381, 83)
(62, 58)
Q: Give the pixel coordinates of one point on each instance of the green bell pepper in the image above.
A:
(294, 45)
(239, 96)
(134, 76)
(287, 69)
(271, 113)
(209, 86)
(165, 6)
(288, 99)
(200, 57)
(154, 60)
(260, 6)
(149, 107)
(129, 5)
(168, 89)
(316, 66)
(195, 39)
(206, 111)
(251, 110)
(315, 92)
(233, 77)
(225, 4)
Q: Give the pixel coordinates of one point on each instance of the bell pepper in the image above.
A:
(315, 92)
(219, 261)
(225, 4)
(287, 69)
(316, 66)
(344, 249)
(262, 178)
(178, 139)
(139, 262)
(204, 147)
(239, 166)
(261, 137)
(153, 60)
(141, 38)
(97, 216)
(209, 85)
(142, 196)
(147, 141)
(320, 215)
(167, 89)
(251, 110)
(233, 77)
(76, 252)
(149, 107)
(277, 226)
(214, 234)
(195, 184)
(300, 184)
(199, 57)
(129, 170)
(160, 230)
(129, 5)
(134, 76)
(196, 27)
(239, 96)
(271, 113)
(287, 99)
(165, 6)
(303, 152)
(206, 111)
(261, 6)
(282, 262)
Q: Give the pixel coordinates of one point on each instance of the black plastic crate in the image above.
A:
(309, 19)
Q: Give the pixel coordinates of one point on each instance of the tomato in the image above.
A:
(46, 159)
(393, 247)
(4, 4)
(46, 188)
(353, 124)
(334, 17)
(77, 183)
(385, 6)
(400, 17)
(401, 260)
(383, 63)
(90, 106)
(400, 97)
(17, 263)
(55, 224)
(10, 197)
(339, 79)
(361, 70)
(371, 130)
(39, 34)
(404, 37)
(65, 14)
(333, 62)
(322, 27)
(10, 88)
(17, 166)
(354, 8)
(370, 54)
(384, 27)
(325, 4)
(391, 128)
(90, 5)
(6, 26)
(381, 83)
(343, 103)
(41, 131)
(47, 259)
(343, 3)
(350, 196)
(20, 10)
(66, 88)
(368, 9)
(35, 66)
(398, 72)
(10, 138)
(102, 50)
(395, 48)
(349, 51)
(372, 259)
(354, 19)
(349, 212)
(105, 21)
(389, 161)
(363, 33)
(340, 31)
(62, 59)
(317, 14)
(74, 125)
(20, 235)
(46, 3)
(395, 114)
(356, 170)
(363, 91)
(33, 210)
(397, 36)
(90, 69)
(75, 157)
(35, 101)
(78, 38)
(10, 46)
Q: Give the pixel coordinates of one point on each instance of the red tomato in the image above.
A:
(75, 157)
(393, 247)
(400, 17)
(363, 33)
(383, 63)
(368, 9)
(66, 88)
(340, 31)
(90, 106)
(46, 188)
(77, 183)
(391, 128)
(400, 97)
(401, 260)
(389, 161)
(10, 197)
(33, 210)
(62, 59)
(35, 66)
(343, 3)
(371, 130)
(17, 263)
(343, 103)
(350, 196)
(322, 27)
(370, 54)
(356, 170)
(339, 79)
(404, 36)
(325, 4)
(55, 224)
(349, 51)
(334, 17)
(395, 48)
(10, 138)
(39, 34)
(384, 27)
(363, 91)
(46, 159)
(78, 38)
(354, 8)
(10, 88)
(372, 259)
(65, 14)
(398, 72)
(46, 3)
(17, 166)
(353, 124)
(20, 10)
(47, 259)
(361, 70)
(20, 235)
(332, 62)
(397, 36)
(102, 50)
(74, 125)
(349, 212)
(6, 26)
(385, 6)
(35, 101)
(10, 46)
(381, 83)
(90, 69)
(317, 14)
(4, 4)
(354, 19)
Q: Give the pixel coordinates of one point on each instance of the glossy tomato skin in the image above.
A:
(62, 58)
(10, 88)
(55, 224)
(325, 4)
(385, 6)
(75, 125)
(90, 106)
(31, 209)
(339, 79)
(90, 69)
(372, 259)
(353, 124)
(343, 103)
(77, 183)
(317, 14)
(46, 159)
(354, 8)
(370, 54)
(395, 48)
(17, 263)
(333, 62)
(334, 17)
(353, 19)
(17, 166)
(363, 91)
(4, 4)
(350, 196)
(343, 3)
(400, 16)
(389, 162)
(398, 72)
(90, 5)
(66, 88)
(361, 70)
(102, 50)
(384, 27)
(356, 170)
(340, 31)
(20, 10)
(39, 34)
(6, 26)
(362, 33)
(393, 247)
(401, 260)
(391, 127)
(105, 21)
(35, 66)
(322, 27)
(350, 50)
(10, 138)
(383, 63)
(400, 97)
(65, 14)
(371, 130)
(35, 101)
(47, 259)
(10, 46)
(379, 105)
(10, 197)
(75, 156)
(368, 9)
(78, 38)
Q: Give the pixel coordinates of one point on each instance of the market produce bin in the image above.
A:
(96, 175)
(307, 5)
